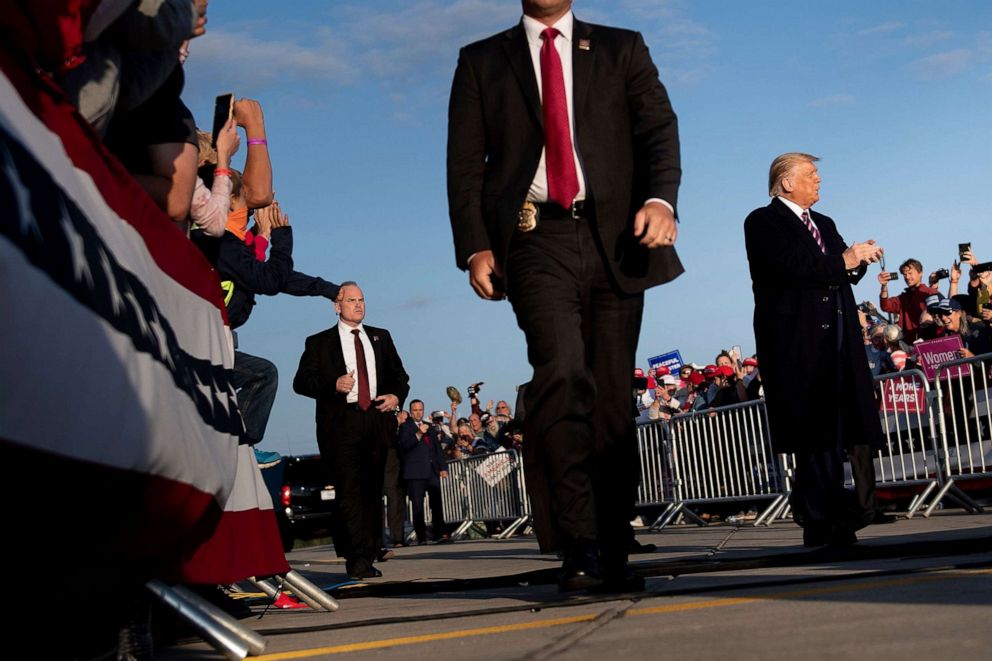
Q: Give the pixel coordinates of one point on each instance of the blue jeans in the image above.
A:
(256, 380)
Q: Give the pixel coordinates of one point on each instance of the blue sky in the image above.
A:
(894, 96)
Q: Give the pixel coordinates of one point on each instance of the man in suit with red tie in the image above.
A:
(818, 388)
(563, 174)
(358, 380)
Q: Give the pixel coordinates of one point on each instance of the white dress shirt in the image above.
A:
(799, 211)
(351, 362)
(563, 44)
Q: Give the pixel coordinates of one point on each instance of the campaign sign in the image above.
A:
(934, 353)
(672, 360)
(903, 395)
(496, 467)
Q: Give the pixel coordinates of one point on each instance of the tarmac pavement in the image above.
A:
(913, 589)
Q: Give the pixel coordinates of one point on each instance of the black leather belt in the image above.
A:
(553, 211)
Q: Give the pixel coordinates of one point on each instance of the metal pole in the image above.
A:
(310, 592)
(254, 642)
(205, 621)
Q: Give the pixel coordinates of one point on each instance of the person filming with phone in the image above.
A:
(911, 303)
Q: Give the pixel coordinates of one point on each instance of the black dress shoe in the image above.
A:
(368, 572)
(361, 568)
(386, 554)
(835, 536)
(636, 548)
(580, 570)
(620, 580)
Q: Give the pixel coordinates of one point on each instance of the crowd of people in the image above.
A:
(484, 430)
(923, 312)
(139, 112)
(892, 329)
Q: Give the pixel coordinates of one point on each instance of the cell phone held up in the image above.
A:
(962, 249)
(223, 111)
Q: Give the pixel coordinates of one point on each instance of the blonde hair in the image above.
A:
(207, 153)
(782, 165)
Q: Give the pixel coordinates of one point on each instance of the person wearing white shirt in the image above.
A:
(356, 375)
(563, 177)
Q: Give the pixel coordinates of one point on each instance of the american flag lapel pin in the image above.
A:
(584, 44)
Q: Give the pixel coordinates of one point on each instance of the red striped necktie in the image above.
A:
(815, 232)
(563, 182)
(364, 394)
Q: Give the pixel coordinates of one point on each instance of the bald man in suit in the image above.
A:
(356, 375)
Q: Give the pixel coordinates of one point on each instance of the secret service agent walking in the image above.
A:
(358, 380)
(563, 174)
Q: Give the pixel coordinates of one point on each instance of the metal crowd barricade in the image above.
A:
(723, 455)
(965, 425)
(485, 488)
(654, 448)
(910, 456)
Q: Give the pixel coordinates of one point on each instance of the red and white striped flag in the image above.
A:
(117, 412)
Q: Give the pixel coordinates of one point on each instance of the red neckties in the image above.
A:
(815, 232)
(563, 183)
(364, 397)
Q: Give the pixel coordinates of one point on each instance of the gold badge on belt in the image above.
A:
(527, 217)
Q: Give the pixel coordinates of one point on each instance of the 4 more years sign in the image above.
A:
(903, 394)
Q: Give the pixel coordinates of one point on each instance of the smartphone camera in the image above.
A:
(223, 111)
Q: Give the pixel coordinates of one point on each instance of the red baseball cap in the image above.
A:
(724, 370)
(709, 371)
(638, 372)
(695, 378)
(662, 370)
(750, 362)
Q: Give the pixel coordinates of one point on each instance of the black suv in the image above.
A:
(302, 499)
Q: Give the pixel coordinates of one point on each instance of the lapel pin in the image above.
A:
(583, 44)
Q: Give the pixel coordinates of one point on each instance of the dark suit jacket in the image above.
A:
(813, 364)
(626, 136)
(420, 461)
(322, 363)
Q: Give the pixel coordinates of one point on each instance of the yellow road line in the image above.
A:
(651, 610)
(427, 638)
(812, 592)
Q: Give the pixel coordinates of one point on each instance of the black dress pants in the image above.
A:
(356, 456)
(819, 497)
(416, 490)
(392, 489)
(579, 439)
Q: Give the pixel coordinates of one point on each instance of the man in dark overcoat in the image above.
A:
(818, 388)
